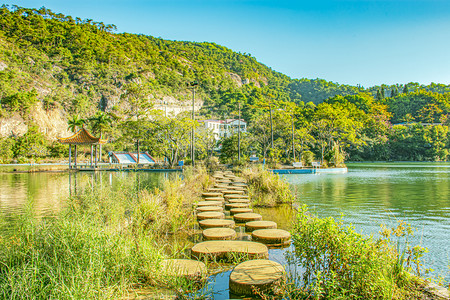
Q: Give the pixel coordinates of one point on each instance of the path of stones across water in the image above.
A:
(218, 245)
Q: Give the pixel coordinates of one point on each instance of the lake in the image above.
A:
(367, 196)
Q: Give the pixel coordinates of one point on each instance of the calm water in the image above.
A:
(45, 193)
(368, 195)
(373, 194)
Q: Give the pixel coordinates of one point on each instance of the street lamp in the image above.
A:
(192, 86)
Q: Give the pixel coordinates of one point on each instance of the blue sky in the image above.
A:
(353, 42)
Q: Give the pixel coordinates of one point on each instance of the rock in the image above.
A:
(262, 274)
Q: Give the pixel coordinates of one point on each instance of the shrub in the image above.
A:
(307, 158)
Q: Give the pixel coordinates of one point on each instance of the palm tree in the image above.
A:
(101, 121)
(75, 123)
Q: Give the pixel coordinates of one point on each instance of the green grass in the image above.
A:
(265, 188)
(104, 244)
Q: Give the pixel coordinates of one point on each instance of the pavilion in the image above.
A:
(82, 137)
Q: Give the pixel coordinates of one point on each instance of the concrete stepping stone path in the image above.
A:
(247, 217)
(237, 205)
(234, 211)
(212, 194)
(227, 250)
(277, 237)
(210, 215)
(261, 274)
(209, 208)
(214, 223)
(254, 225)
(219, 234)
(209, 203)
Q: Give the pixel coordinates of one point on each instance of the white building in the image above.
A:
(225, 128)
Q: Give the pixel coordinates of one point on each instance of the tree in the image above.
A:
(100, 123)
(75, 123)
(137, 113)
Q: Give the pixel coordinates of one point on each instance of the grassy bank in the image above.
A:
(265, 188)
(104, 244)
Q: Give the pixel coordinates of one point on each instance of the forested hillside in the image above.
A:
(64, 69)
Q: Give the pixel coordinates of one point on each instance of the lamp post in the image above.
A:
(193, 85)
(239, 133)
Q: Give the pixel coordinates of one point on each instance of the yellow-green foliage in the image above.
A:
(266, 188)
(339, 263)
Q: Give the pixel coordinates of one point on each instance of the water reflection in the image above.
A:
(46, 193)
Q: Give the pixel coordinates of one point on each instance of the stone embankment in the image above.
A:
(224, 211)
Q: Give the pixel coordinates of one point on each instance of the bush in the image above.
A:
(307, 158)
(339, 263)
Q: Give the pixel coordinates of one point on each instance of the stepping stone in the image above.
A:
(214, 189)
(209, 208)
(234, 211)
(265, 275)
(227, 250)
(218, 234)
(210, 215)
(223, 181)
(239, 184)
(215, 223)
(237, 205)
(211, 194)
(219, 199)
(247, 217)
(188, 268)
(237, 188)
(276, 237)
(209, 203)
(238, 201)
(254, 225)
(235, 196)
(232, 192)
(221, 186)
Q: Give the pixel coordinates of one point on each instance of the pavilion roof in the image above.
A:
(82, 137)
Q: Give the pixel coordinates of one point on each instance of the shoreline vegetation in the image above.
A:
(108, 243)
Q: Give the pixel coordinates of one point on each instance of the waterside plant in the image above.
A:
(265, 188)
(107, 243)
(336, 262)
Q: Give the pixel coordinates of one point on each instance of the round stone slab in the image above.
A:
(226, 250)
(239, 183)
(221, 186)
(238, 201)
(235, 196)
(254, 225)
(214, 223)
(231, 192)
(247, 217)
(234, 211)
(211, 194)
(260, 273)
(209, 203)
(271, 236)
(223, 181)
(219, 199)
(236, 205)
(192, 269)
(210, 215)
(219, 234)
(209, 208)
(214, 190)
